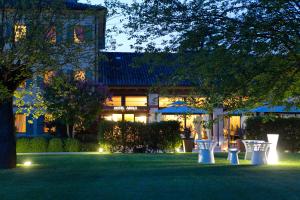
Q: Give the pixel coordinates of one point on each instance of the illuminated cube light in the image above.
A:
(27, 163)
(272, 155)
(101, 150)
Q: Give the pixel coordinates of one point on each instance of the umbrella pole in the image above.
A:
(184, 121)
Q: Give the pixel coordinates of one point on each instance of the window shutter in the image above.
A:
(88, 31)
(70, 34)
(59, 33)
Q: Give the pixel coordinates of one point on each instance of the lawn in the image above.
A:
(148, 176)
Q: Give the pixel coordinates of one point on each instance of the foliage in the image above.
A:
(139, 137)
(55, 145)
(74, 103)
(38, 144)
(287, 128)
(228, 49)
(71, 145)
(89, 147)
(23, 145)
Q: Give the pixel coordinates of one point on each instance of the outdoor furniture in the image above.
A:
(206, 151)
(272, 154)
(259, 153)
(249, 146)
(233, 156)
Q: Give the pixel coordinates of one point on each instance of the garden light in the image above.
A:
(100, 150)
(272, 155)
(27, 163)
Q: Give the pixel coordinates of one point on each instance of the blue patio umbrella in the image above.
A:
(181, 108)
(275, 109)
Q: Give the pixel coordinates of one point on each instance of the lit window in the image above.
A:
(78, 34)
(235, 124)
(20, 123)
(167, 101)
(114, 101)
(20, 32)
(48, 76)
(142, 119)
(136, 101)
(51, 35)
(129, 117)
(79, 76)
(48, 127)
(116, 117)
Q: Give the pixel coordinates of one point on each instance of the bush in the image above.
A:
(55, 145)
(287, 128)
(23, 145)
(72, 145)
(139, 137)
(89, 147)
(38, 144)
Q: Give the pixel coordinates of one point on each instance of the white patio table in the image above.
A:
(206, 151)
(259, 153)
(249, 147)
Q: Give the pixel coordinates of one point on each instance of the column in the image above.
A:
(153, 107)
(218, 134)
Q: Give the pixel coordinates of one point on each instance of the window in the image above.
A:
(48, 76)
(129, 117)
(20, 32)
(79, 76)
(117, 117)
(140, 118)
(136, 101)
(20, 123)
(78, 34)
(51, 35)
(114, 101)
(166, 101)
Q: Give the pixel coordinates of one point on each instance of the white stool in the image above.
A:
(206, 151)
(259, 155)
(233, 156)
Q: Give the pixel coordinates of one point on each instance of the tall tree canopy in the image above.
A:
(234, 51)
(32, 42)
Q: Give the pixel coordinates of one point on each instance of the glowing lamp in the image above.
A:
(272, 155)
(100, 150)
(27, 163)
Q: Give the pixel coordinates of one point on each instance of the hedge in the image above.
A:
(55, 145)
(287, 128)
(139, 137)
(38, 144)
(71, 145)
(23, 145)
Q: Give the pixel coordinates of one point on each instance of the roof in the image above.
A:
(70, 4)
(119, 70)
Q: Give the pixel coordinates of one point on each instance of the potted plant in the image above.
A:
(188, 142)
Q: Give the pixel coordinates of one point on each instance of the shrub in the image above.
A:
(287, 128)
(55, 145)
(23, 145)
(72, 145)
(139, 137)
(89, 147)
(38, 144)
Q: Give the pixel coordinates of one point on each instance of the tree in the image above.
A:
(74, 102)
(30, 45)
(232, 51)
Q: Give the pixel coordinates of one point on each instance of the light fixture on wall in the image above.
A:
(272, 155)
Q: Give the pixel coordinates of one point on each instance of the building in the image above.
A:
(87, 30)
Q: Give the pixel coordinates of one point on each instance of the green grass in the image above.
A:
(148, 176)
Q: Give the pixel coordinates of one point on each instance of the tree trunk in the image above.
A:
(8, 157)
(68, 130)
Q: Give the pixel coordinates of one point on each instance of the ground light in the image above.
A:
(27, 163)
(272, 155)
(100, 150)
